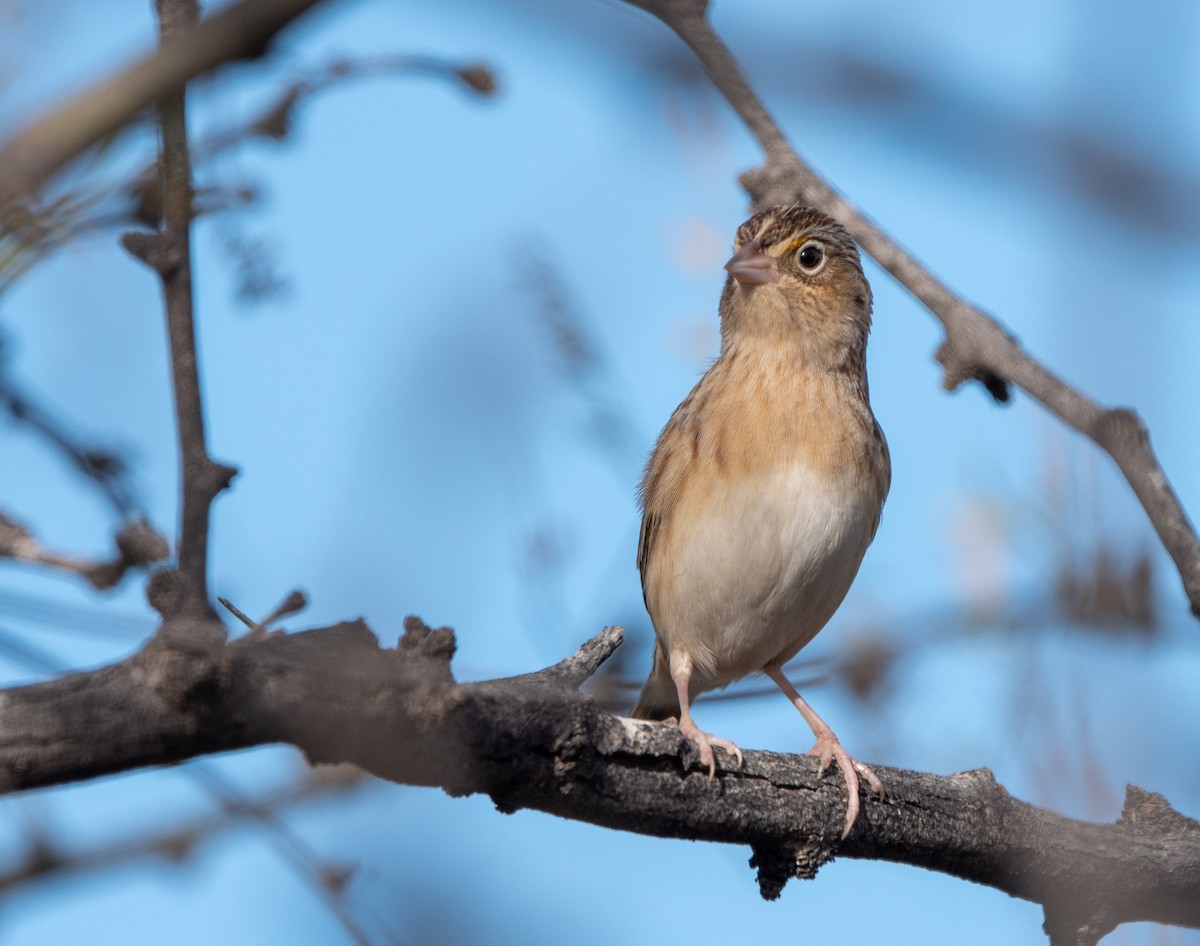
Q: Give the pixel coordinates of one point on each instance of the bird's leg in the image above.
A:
(681, 673)
(828, 749)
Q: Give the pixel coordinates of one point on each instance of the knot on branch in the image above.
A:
(165, 590)
(420, 641)
(777, 865)
(170, 594)
(478, 78)
(160, 252)
(1151, 812)
(15, 540)
(959, 370)
(140, 544)
(181, 665)
(1120, 430)
(1073, 925)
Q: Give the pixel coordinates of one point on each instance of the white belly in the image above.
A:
(758, 570)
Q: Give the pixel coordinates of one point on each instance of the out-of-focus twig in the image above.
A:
(583, 361)
(138, 545)
(43, 859)
(295, 602)
(327, 880)
(105, 468)
(33, 230)
(275, 122)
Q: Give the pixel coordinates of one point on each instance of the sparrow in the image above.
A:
(766, 486)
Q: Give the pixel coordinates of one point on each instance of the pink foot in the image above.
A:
(705, 743)
(828, 749)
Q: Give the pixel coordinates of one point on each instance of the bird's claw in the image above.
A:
(827, 749)
(825, 756)
(872, 780)
(705, 742)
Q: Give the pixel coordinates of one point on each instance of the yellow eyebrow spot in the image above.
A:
(792, 245)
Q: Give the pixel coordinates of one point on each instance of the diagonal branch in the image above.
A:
(536, 742)
(976, 347)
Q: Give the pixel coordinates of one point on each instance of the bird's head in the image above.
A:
(795, 276)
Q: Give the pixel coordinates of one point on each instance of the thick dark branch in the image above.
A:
(537, 742)
(242, 31)
(977, 347)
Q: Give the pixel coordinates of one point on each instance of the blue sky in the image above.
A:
(407, 432)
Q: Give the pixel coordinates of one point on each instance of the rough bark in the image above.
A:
(536, 741)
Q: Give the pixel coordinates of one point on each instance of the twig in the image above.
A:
(168, 252)
(35, 230)
(275, 121)
(138, 545)
(326, 880)
(251, 624)
(976, 347)
(241, 31)
(105, 468)
(329, 881)
(295, 602)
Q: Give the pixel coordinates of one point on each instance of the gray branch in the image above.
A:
(536, 741)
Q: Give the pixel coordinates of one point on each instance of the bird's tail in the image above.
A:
(658, 699)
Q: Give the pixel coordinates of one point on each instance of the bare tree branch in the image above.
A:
(43, 858)
(536, 742)
(327, 880)
(138, 545)
(105, 468)
(37, 229)
(977, 347)
(275, 121)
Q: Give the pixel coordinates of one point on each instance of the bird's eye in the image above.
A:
(811, 257)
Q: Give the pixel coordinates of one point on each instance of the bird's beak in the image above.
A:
(752, 267)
